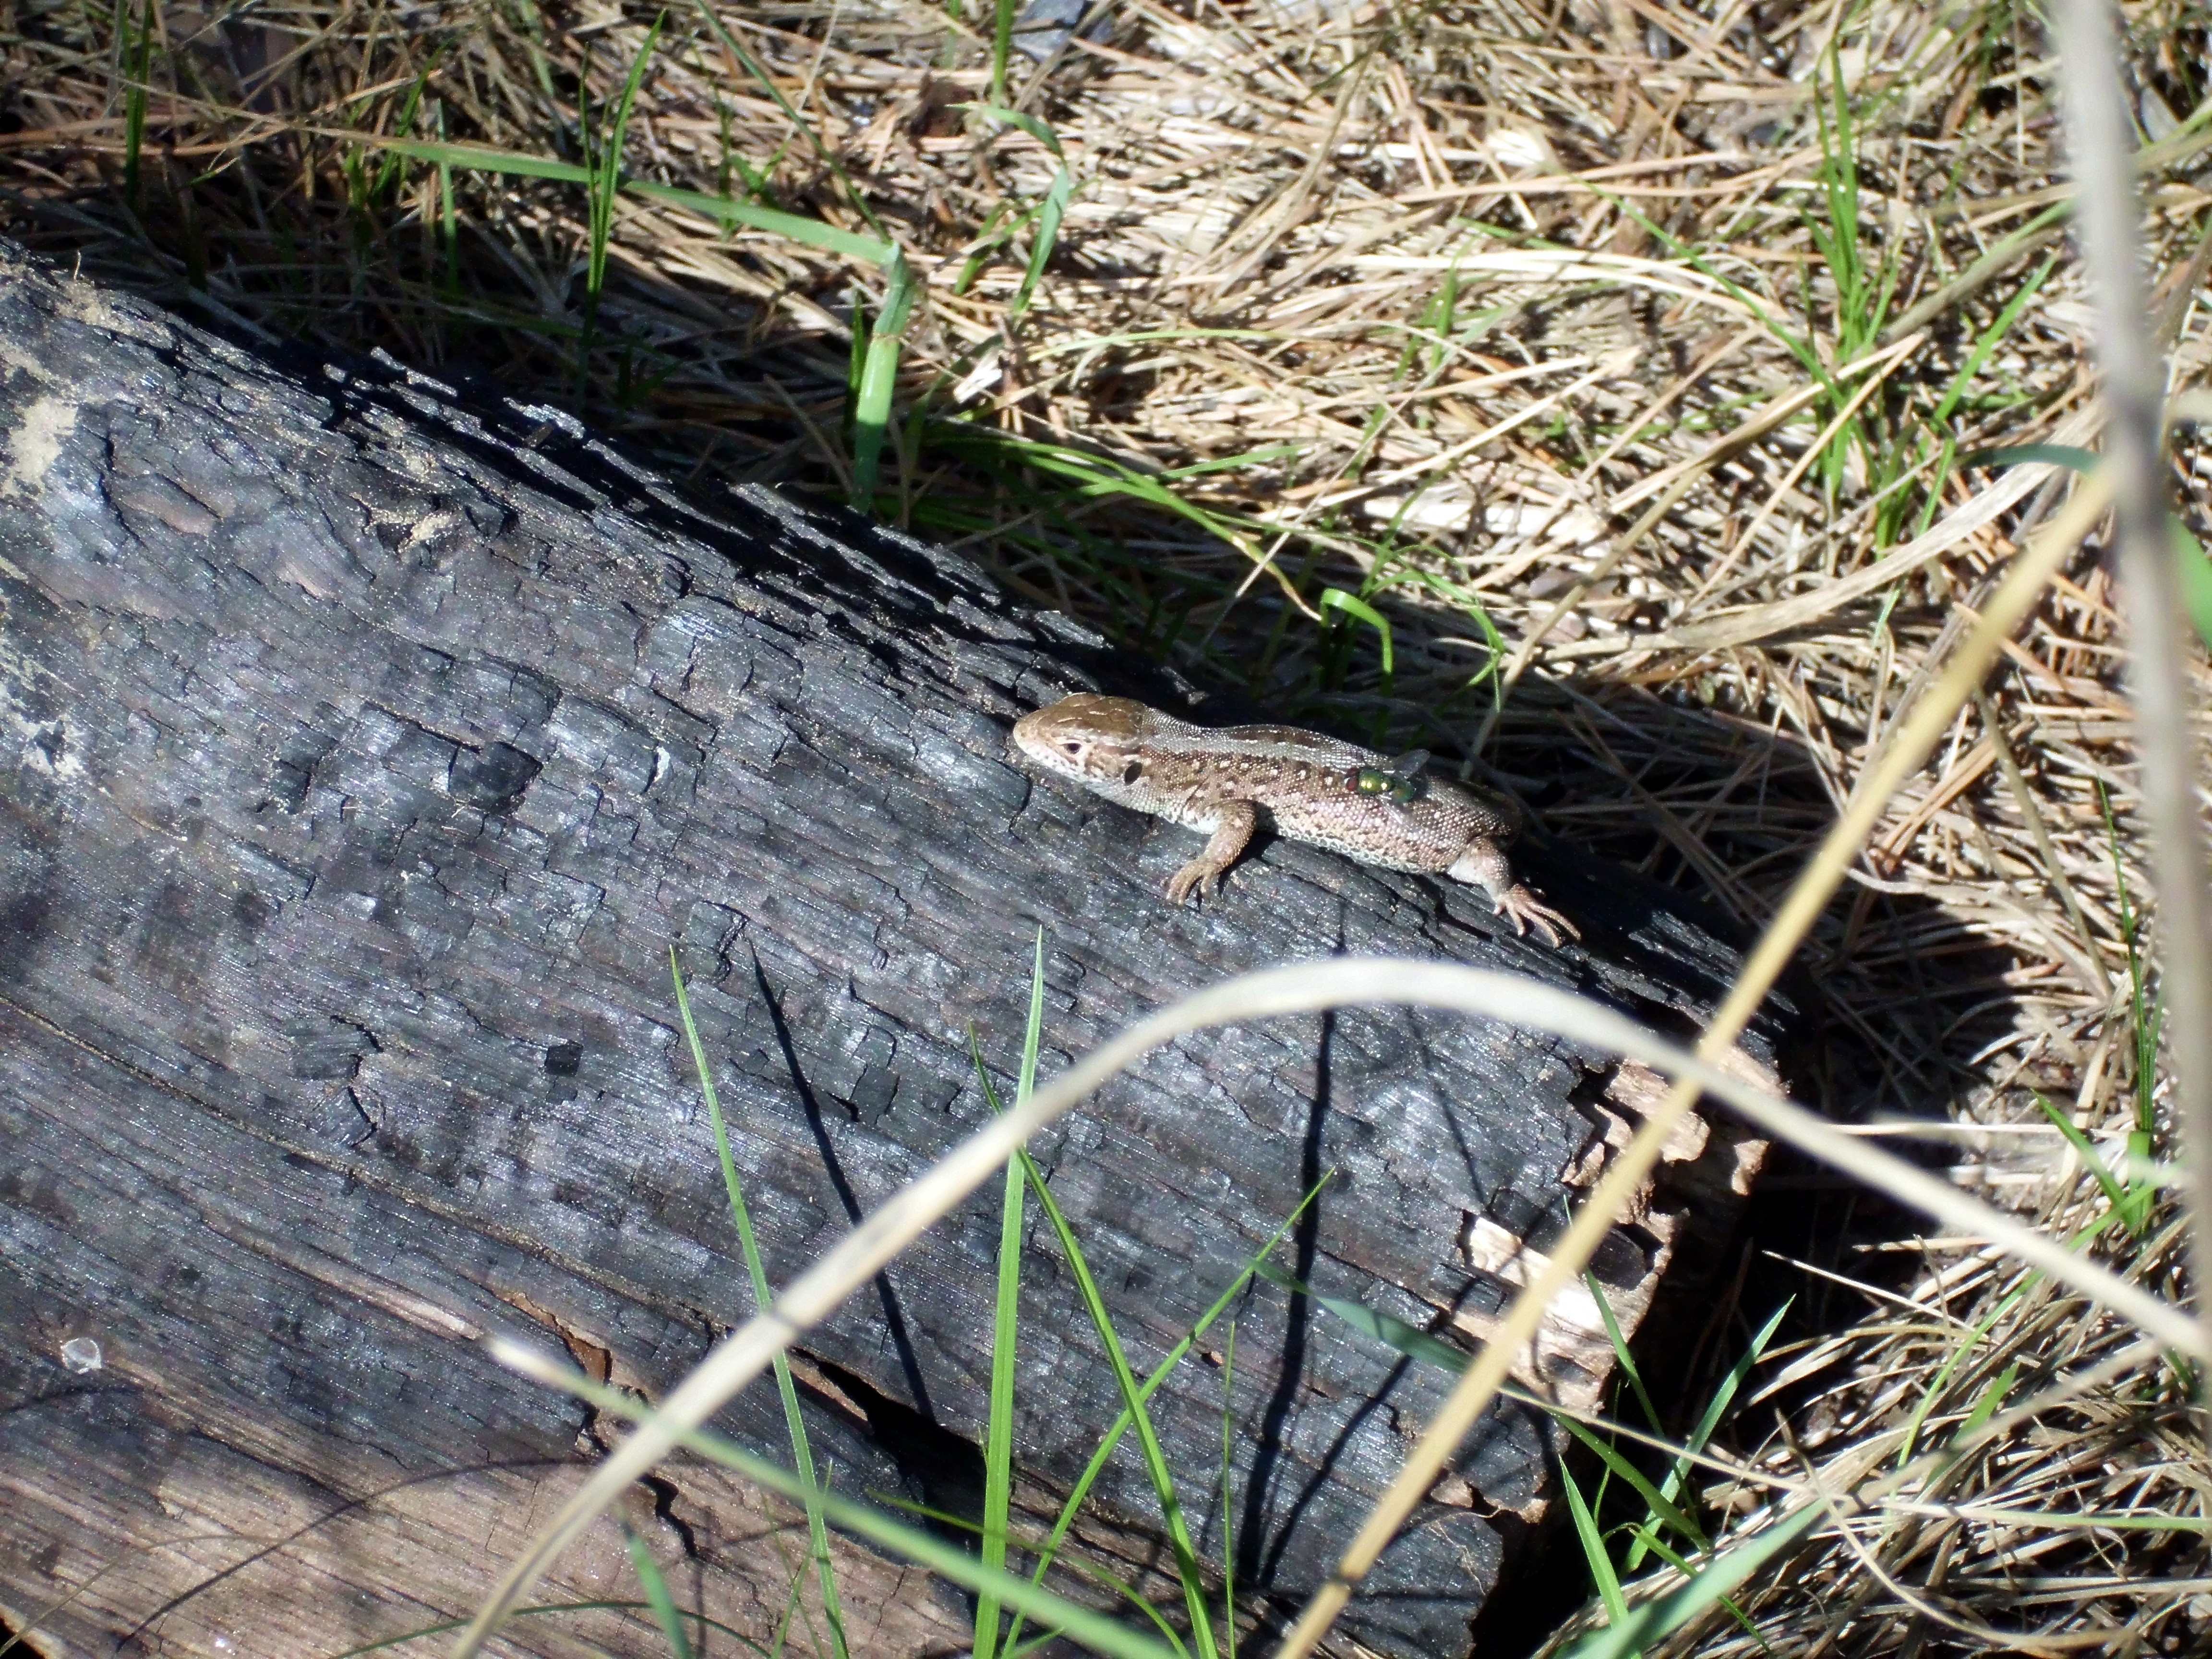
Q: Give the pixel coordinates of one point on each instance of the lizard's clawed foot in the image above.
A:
(1202, 876)
(1523, 908)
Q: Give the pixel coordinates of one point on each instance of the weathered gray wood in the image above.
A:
(366, 749)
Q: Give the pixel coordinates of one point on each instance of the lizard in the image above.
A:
(1230, 782)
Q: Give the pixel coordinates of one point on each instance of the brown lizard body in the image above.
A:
(1229, 781)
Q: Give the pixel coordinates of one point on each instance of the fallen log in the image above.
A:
(369, 745)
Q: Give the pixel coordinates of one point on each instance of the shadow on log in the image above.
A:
(367, 748)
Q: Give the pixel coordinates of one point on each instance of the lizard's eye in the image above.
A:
(1074, 746)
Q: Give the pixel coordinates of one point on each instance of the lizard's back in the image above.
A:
(1308, 785)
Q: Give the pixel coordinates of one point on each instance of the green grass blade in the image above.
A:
(1663, 1508)
(482, 158)
(1133, 1394)
(449, 234)
(793, 1602)
(1095, 477)
(1054, 207)
(728, 210)
(134, 100)
(1722, 1399)
(999, 1436)
(1336, 599)
(856, 356)
(1796, 345)
(1000, 223)
(1938, 474)
(1090, 1572)
(2129, 936)
(2086, 1150)
(604, 158)
(1228, 1495)
(1416, 1343)
(1123, 1590)
(1723, 1396)
(1593, 1543)
(1255, 1265)
(1002, 43)
(1625, 1359)
(1408, 1339)
(802, 1450)
(1657, 1619)
(664, 1611)
(2196, 581)
(1680, 1563)
(2067, 455)
(1999, 254)
(1993, 1396)
(390, 171)
(1094, 1630)
(1047, 214)
(1229, 463)
(1909, 1442)
(1991, 339)
(822, 151)
(611, 149)
(1029, 123)
(872, 401)
(1133, 1400)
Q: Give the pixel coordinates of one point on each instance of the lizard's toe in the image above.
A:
(1197, 877)
(1526, 909)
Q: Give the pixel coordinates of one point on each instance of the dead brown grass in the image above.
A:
(1481, 313)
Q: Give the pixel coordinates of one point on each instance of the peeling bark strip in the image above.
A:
(366, 749)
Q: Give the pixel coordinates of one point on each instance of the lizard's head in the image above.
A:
(1086, 737)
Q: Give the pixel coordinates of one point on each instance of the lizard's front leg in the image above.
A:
(1232, 833)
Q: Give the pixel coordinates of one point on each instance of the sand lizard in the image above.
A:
(1230, 782)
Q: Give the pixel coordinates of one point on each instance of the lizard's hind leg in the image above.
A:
(1484, 865)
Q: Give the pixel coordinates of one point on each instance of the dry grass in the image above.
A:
(1577, 339)
(2083, 1531)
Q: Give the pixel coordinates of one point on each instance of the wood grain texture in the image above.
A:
(368, 746)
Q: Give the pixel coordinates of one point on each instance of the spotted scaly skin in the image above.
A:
(1229, 781)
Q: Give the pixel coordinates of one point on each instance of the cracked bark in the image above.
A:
(367, 747)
